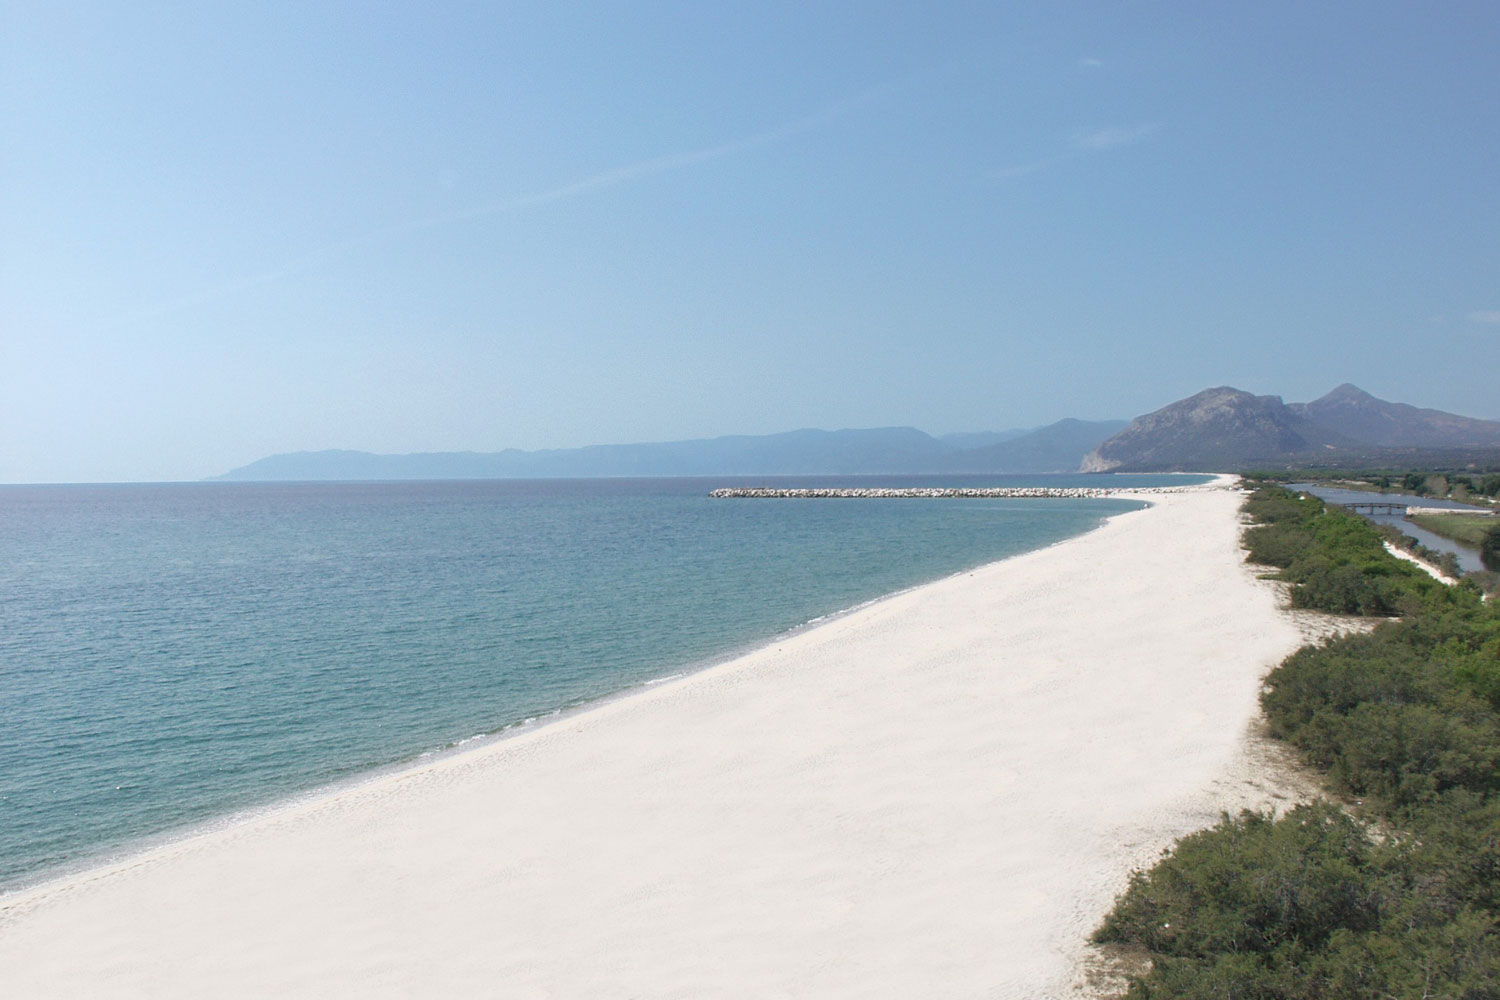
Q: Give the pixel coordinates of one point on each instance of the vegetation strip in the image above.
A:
(1476, 532)
(1395, 889)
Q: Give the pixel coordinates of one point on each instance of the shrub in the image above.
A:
(1313, 904)
(1252, 884)
(1335, 561)
(1489, 549)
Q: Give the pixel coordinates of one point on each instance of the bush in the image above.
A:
(1489, 549)
(1404, 714)
(1314, 904)
(1252, 884)
(1336, 561)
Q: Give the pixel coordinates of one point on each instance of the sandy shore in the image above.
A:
(938, 795)
(1421, 564)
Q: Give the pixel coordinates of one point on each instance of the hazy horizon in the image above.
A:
(232, 233)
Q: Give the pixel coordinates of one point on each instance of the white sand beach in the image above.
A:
(1421, 564)
(938, 795)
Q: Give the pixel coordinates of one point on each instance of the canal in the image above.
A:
(1468, 559)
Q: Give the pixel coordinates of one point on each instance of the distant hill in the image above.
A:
(887, 450)
(1059, 447)
(1216, 428)
(981, 439)
(848, 452)
(1356, 414)
(1226, 428)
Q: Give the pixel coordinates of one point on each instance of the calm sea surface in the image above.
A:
(170, 654)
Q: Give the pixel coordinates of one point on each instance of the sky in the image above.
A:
(233, 230)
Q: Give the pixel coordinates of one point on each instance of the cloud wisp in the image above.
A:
(1485, 317)
(642, 169)
(1022, 169)
(601, 181)
(1083, 143)
(1109, 138)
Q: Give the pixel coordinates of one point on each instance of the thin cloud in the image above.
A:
(680, 161)
(1022, 169)
(1082, 144)
(677, 161)
(1089, 62)
(1109, 138)
(616, 176)
(208, 294)
(601, 181)
(1489, 317)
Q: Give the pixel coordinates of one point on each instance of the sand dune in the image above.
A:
(937, 795)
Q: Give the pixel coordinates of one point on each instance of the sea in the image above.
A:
(173, 656)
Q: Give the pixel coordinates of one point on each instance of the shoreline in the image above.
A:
(127, 854)
(869, 803)
(1421, 564)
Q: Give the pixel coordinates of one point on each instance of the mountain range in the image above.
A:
(1226, 428)
(1058, 447)
(1215, 430)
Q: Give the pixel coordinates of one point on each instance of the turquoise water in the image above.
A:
(174, 653)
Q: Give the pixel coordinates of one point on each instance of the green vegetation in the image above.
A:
(1335, 561)
(1465, 529)
(1397, 894)
(1454, 485)
(1465, 484)
(1446, 562)
(1482, 533)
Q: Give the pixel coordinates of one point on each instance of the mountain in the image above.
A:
(847, 452)
(1058, 447)
(1218, 428)
(1356, 414)
(981, 439)
(885, 450)
(1225, 428)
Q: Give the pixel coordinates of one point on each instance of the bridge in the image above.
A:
(1373, 507)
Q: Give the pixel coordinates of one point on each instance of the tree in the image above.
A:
(1489, 549)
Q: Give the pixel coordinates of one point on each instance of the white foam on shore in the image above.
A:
(939, 792)
(662, 680)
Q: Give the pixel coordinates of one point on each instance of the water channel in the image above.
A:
(1468, 558)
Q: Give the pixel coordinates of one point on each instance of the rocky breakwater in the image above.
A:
(921, 493)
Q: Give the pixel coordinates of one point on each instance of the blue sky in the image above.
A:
(234, 230)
